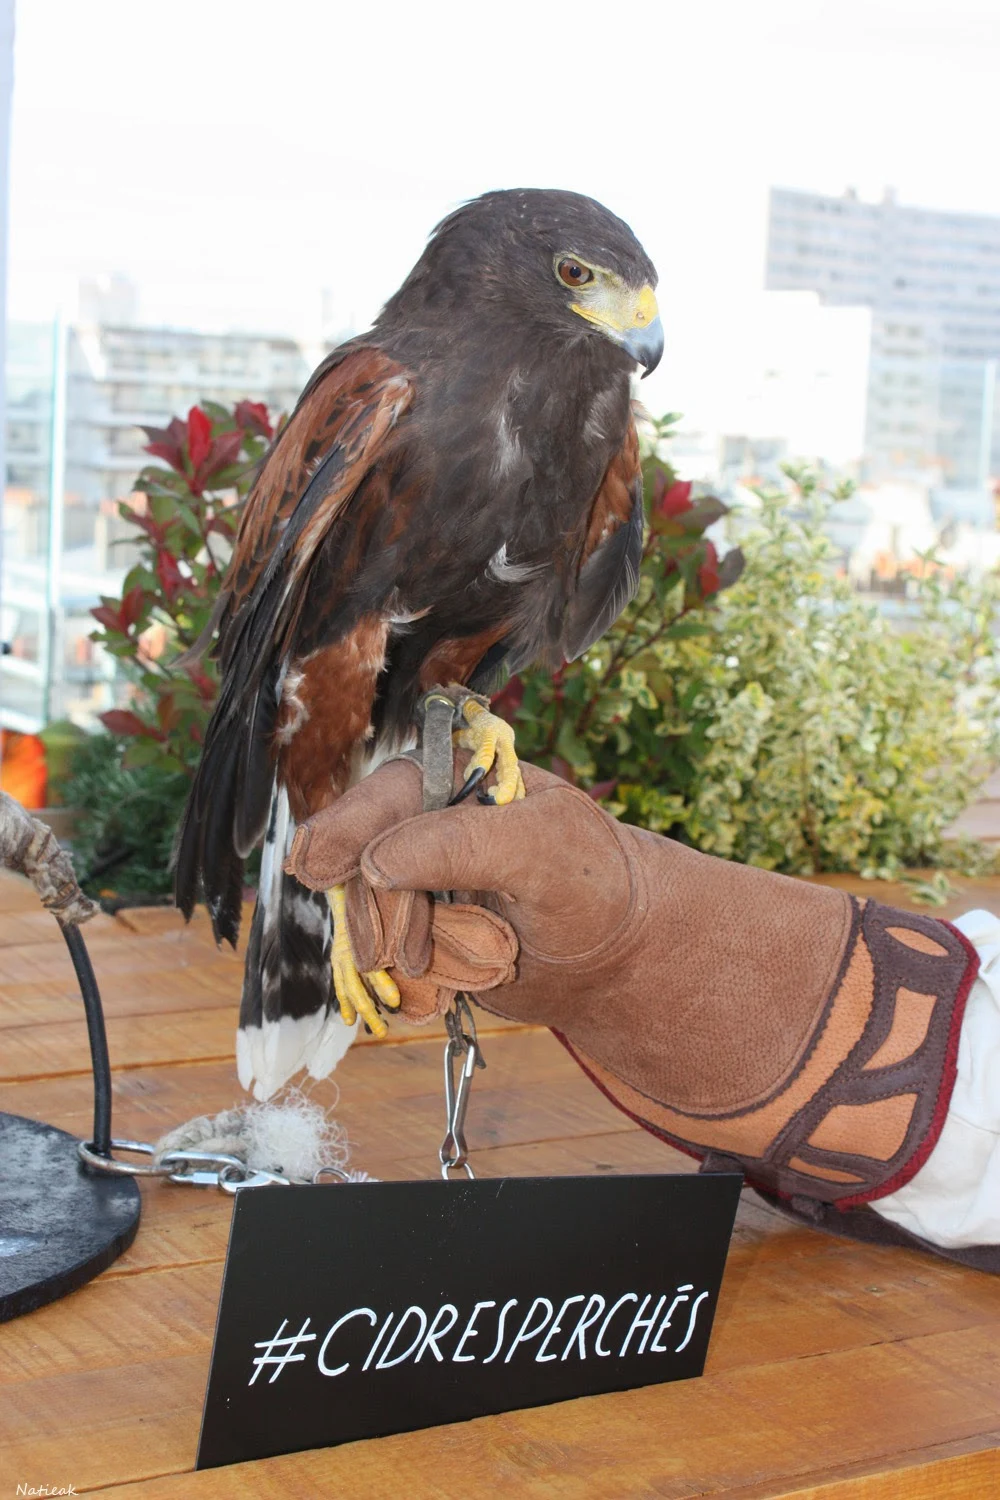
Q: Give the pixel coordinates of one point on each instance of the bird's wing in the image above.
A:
(320, 469)
(612, 552)
(334, 438)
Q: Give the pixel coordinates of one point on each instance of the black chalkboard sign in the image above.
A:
(357, 1311)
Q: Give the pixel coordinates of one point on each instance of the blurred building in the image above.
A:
(932, 282)
(794, 387)
(122, 377)
(77, 398)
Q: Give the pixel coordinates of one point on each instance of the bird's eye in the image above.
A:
(571, 273)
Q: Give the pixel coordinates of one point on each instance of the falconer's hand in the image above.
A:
(547, 893)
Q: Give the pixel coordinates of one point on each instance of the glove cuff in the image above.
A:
(863, 1109)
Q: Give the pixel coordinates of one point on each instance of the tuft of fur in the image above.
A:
(291, 1134)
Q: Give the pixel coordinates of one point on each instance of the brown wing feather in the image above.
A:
(612, 552)
(613, 502)
(333, 440)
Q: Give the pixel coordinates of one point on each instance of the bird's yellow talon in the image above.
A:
(385, 987)
(491, 740)
(353, 996)
(347, 1012)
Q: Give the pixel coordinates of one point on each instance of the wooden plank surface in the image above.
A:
(837, 1371)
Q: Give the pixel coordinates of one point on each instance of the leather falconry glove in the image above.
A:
(753, 1020)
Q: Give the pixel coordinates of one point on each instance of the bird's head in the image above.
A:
(556, 259)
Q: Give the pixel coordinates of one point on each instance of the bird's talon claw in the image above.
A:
(385, 987)
(491, 740)
(475, 776)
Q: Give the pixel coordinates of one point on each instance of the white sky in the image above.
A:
(235, 157)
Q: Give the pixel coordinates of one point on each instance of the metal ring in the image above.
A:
(460, 1163)
(337, 1172)
(122, 1168)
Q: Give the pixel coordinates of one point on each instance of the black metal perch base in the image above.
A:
(61, 1223)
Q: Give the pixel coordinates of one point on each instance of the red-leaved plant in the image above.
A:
(185, 515)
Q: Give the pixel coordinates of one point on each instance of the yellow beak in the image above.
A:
(630, 318)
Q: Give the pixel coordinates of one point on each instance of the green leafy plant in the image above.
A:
(789, 725)
(126, 821)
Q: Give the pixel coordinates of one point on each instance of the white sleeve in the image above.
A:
(954, 1200)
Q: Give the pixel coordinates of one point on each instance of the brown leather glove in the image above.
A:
(636, 948)
(804, 1033)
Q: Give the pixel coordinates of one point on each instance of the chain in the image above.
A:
(462, 1056)
(439, 713)
(195, 1168)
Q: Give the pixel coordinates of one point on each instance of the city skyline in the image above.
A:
(235, 173)
(932, 283)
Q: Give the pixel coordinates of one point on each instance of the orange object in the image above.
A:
(22, 768)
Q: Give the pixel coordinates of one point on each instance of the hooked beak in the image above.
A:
(628, 317)
(645, 344)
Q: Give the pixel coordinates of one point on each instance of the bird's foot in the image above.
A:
(492, 742)
(355, 990)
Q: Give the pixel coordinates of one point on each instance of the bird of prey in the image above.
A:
(457, 493)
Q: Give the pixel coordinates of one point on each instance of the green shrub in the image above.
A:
(127, 819)
(790, 726)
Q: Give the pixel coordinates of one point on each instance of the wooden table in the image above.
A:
(836, 1370)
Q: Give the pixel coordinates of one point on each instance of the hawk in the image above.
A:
(456, 495)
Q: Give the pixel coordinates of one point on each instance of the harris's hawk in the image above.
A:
(457, 491)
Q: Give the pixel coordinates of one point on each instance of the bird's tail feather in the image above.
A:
(227, 807)
(288, 1015)
(207, 865)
